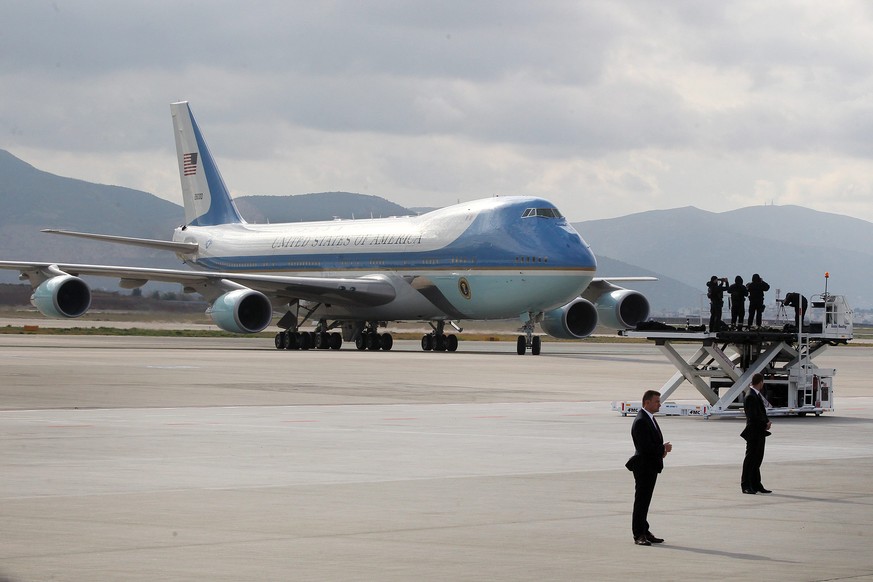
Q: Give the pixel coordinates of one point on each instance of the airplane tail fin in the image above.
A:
(207, 200)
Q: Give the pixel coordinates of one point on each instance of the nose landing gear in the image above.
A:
(528, 340)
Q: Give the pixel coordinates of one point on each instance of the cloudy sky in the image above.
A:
(604, 107)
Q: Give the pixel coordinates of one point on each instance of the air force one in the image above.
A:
(496, 258)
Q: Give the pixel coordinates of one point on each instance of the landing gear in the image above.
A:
(438, 341)
(535, 345)
(307, 340)
(373, 341)
(328, 341)
(528, 340)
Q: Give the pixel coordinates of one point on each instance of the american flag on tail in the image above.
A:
(189, 164)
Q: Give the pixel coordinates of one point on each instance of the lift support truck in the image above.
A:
(723, 366)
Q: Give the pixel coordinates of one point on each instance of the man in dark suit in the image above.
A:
(646, 463)
(756, 431)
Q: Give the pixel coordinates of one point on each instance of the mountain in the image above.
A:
(790, 246)
(666, 295)
(31, 199)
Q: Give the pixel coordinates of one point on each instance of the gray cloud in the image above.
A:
(648, 104)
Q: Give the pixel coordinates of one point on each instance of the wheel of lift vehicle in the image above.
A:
(451, 343)
(427, 342)
(336, 340)
(361, 342)
(280, 340)
(373, 341)
(439, 343)
(386, 342)
(535, 345)
(521, 345)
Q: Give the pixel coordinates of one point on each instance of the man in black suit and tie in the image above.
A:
(756, 431)
(646, 463)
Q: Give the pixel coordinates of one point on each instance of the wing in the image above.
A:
(600, 286)
(352, 291)
(608, 279)
(163, 245)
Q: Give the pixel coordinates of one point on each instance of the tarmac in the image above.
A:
(134, 458)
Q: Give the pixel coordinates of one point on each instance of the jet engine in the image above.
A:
(575, 320)
(622, 309)
(62, 296)
(602, 303)
(241, 311)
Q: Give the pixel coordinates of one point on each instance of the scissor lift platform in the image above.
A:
(723, 365)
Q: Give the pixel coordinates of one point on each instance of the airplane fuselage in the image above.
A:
(487, 259)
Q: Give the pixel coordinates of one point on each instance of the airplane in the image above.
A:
(489, 259)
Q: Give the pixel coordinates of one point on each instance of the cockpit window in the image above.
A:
(542, 213)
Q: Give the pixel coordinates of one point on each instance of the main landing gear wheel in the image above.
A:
(439, 342)
(374, 341)
(328, 341)
(305, 340)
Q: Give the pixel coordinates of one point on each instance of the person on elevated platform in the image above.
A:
(715, 291)
(757, 288)
(799, 303)
(738, 293)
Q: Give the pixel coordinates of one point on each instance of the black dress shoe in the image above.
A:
(749, 491)
(642, 541)
(760, 489)
(653, 539)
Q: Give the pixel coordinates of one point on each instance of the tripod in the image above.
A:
(780, 310)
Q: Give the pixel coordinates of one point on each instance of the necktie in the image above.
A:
(658, 428)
